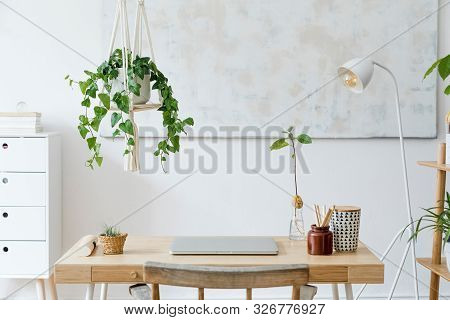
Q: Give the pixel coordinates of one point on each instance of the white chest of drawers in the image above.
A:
(30, 206)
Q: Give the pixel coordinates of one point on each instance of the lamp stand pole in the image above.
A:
(408, 206)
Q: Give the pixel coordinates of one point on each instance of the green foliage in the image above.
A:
(432, 220)
(106, 73)
(281, 143)
(443, 67)
(111, 231)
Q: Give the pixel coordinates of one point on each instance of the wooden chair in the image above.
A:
(212, 277)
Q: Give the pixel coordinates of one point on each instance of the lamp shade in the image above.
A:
(356, 74)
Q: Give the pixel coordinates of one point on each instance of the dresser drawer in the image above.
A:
(22, 189)
(23, 154)
(23, 257)
(27, 223)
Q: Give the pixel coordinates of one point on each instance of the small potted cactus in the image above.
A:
(112, 240)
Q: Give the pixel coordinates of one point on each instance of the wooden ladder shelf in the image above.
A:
(436, 264)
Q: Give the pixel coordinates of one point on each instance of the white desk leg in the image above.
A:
(52, 287)
(104, 291)
(335, 290)
(40, 289)
(348, 291)
(90, 291)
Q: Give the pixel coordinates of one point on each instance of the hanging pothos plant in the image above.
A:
(97, 104)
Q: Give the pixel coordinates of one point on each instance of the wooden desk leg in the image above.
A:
(295, 292)
(104, 292)
(201, 294)
(348, 291)
(52, 287)
(249, 294)
(335, 291)
(90, 291)
(155, 291)
(40, 289)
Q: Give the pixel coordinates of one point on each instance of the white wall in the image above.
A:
(361, 172)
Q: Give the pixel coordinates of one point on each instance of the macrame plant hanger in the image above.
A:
(132, 158)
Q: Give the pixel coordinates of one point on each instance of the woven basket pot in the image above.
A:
(113, 245)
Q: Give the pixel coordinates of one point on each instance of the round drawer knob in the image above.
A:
(5, 249)
(5, 214)
(5, 146)
(133, 275)
(5, 180)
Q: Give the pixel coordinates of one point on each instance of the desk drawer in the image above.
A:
(23, 257)
(125, 274)
(22, 223)
(23, 154)
(22, 189)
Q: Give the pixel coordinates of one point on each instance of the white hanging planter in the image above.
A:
(144, 97)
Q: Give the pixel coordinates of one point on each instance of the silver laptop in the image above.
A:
(224, 245)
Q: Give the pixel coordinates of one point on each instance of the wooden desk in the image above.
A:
(361, 266)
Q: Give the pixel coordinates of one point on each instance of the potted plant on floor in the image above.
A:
(297, 227)
(112, 240)
(440, 222)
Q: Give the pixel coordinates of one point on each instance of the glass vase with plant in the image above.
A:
(297, 226)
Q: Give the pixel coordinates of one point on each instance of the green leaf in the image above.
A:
(92, 90)
(115, 117)
(122, 101)
(280, 143)
(104, 98)
(116, 133)
(134, 87)
(130, 142)
(66, 77)
(127, 127)
(99, 161)
(84, 120)
(89, 73)
(83, 86)
(86, 102)
(430, 70)
(100, 112)
(126, 152)
(83, 131)
(176, 143)
(189, 121)
(95, 124)
(91, 142)
(444, 67)
(304, 139)
(447, 90)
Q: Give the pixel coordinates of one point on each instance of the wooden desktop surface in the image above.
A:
(361, 266)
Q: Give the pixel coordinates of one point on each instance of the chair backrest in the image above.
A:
(237, 277)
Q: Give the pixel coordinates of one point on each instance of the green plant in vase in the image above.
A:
(297, 228)
(100, 95)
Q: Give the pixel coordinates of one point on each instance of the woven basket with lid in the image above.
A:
(113, 245)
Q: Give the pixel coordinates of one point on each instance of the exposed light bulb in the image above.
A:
(350, 79)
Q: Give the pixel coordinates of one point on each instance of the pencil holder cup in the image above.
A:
(345, 227)
(320, 241)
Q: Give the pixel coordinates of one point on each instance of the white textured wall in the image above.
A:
(360, 172)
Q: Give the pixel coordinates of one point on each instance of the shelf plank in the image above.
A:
(439, 269)
(145, 107)
(435, 165)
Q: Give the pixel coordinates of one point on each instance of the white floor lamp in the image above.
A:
(356, 75)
